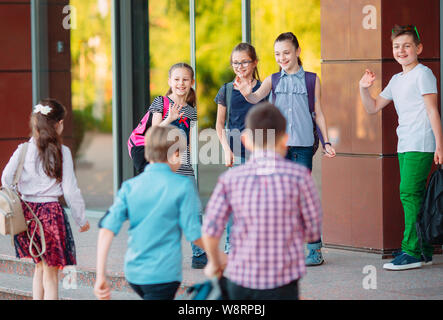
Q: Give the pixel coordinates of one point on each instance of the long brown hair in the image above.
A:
(48, 141)
(191, 98)
(250, 51)
(289, 36)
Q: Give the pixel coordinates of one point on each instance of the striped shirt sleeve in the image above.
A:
(157, 105)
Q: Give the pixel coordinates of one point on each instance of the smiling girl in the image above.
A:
(232, 108)
(182, 113)
(290, 96)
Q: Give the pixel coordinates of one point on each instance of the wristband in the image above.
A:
(328, 143)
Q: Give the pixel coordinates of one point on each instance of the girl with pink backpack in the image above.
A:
(177, 108)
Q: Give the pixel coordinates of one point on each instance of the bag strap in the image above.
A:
(16, 179)
(21, 163)
(31, 238)
(165, 106)
(275, 79)
(229, 89)
(311, 79)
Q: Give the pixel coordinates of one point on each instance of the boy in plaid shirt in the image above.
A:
(275, 208)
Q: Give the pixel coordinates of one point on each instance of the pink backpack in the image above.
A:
(137, 137)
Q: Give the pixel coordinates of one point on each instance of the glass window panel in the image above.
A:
(168, 41)
(92, 101)
(218, 31)
(271, 18)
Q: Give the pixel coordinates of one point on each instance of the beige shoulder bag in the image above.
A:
(12, 219)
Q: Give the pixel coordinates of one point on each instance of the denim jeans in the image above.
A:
(231, 219)
(286, 292)
(301, 155)
(196, 250)
(161, 291)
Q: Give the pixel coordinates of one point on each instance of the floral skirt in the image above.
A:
(60, 247)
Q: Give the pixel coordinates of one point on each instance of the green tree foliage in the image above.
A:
(92, 64)
(218, 30)
(271, 18)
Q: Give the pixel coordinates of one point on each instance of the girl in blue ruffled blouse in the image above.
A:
(291, 98)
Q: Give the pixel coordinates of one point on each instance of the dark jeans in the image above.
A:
(302, 156)
(236, 292)
(161, 291)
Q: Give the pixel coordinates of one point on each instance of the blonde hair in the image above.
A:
(162, 142)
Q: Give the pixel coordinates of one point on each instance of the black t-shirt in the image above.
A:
(238, 112)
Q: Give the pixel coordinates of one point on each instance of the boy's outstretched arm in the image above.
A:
(434, 118)
(101, 289)
(371, 105)
(215, 264)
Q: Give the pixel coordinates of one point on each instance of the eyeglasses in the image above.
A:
(244, 64)
(411, 28)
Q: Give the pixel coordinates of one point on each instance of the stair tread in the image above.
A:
(22, 285)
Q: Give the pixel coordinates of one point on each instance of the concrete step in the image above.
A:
(16, 282)
(19, 287)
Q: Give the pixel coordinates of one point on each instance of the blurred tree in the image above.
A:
(271, 18)
(218, 30)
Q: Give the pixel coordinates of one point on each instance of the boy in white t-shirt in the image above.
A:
(419, 131)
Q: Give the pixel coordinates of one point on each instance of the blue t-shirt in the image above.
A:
(159, 205)
(239, 110)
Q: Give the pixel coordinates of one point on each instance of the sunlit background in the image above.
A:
(218, 30)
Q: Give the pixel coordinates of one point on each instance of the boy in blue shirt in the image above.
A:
(420, 138)
(159, 205)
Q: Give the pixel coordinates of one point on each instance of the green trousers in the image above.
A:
(414, 171)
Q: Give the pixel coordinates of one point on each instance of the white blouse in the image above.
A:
(36, 186)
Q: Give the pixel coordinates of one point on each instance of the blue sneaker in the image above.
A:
(425, 260)
(403, 262)
(314, 258)
(199, 262)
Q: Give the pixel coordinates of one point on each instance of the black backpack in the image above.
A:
(430, 217)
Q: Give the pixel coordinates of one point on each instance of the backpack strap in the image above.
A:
(311, 79)
(21, 163)
(165, 106)
(229, 89)
(275, 79)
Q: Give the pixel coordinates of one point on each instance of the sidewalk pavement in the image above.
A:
(343, 276)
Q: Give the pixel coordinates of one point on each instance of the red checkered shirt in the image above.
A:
(276, 208)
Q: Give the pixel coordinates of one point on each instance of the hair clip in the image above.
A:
(45, 110)
(410, 28)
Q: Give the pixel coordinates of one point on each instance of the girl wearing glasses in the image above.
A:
(233, 107)
(244, 63)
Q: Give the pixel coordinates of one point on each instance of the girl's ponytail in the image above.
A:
(191, 99)
(43, 124)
